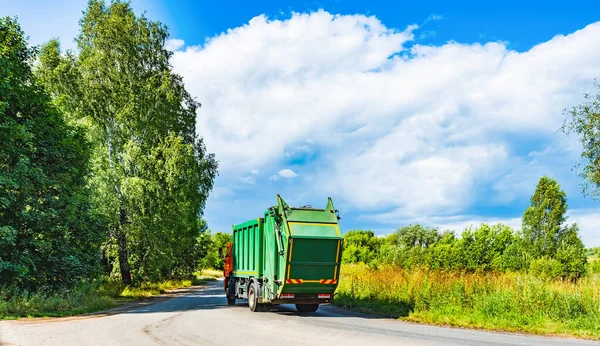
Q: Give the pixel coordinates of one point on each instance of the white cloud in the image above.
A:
(417, 131)
(284, 173)
(287, 173)
(273, 83)
(174, 44)
(434, 18)
(588, 221)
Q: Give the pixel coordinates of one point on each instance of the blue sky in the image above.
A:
(439, 113)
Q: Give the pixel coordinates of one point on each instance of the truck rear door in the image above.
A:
(314, 254)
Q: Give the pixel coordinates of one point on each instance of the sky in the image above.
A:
(437, 113)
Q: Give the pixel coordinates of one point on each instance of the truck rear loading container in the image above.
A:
(288, 256)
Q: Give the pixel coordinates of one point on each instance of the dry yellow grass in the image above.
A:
(502, 301)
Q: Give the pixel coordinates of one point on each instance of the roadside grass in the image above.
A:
(90, 297)
(493, 301)
(84, 299)
(210, 273)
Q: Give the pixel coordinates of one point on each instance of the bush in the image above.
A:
(594, 267)
(571, 254)
(546, 268)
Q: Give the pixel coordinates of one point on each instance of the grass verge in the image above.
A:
(91, 297)
(493, 301)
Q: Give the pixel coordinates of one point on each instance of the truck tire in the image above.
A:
(307, 307)
(266, 307)
(253, 298)
(230, 292)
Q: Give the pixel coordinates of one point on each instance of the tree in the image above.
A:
(416, 236)
(571, 253)
(483, 247)
(360, 246)
(543, 219)
(213, 259)
(584, 121)
(442, 254)
(514, 257)
(49, 234)
(151, 170)
(554, 248)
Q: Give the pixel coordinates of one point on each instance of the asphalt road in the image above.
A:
(202, 317)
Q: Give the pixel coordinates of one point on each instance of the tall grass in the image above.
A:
(507, 301)
(89, 297)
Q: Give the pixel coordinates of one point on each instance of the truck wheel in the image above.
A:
(253, 299)
(230, 292)
(307, 307)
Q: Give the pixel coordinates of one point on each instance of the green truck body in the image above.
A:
(290, 255)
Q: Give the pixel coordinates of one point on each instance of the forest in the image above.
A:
(102, 172)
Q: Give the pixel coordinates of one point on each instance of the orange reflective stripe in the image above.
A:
(328, 281)
(294, 281)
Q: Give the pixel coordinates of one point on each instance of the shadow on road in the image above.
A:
(212, 298)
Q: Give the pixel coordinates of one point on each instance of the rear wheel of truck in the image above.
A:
(230, 292)
(253, 298)
(307, 307)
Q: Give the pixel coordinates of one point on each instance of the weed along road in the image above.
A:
(202, 317)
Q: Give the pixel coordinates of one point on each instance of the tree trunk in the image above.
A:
(122, 249)
(120, 231)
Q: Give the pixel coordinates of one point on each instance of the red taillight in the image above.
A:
(325, 296)
(287, 295)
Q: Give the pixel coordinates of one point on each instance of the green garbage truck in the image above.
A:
(288, 256)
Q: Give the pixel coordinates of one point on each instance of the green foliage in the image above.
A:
(484, 247)
(48, 228)
(545, 233)
(415, 236)
(547, 247)
(213, 258)
(593, 252)
(543, 219)
(594, 267)
(546, 268)
(495, 248)
(360, 246)
(514, 258)
(151, 172)
(571, 253)
(584, 121)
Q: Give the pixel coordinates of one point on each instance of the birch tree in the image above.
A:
(151, 170)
